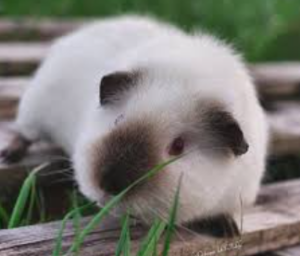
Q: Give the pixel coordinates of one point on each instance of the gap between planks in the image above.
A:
(25, 29)
(273, 223)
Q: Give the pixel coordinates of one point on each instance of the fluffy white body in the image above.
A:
(62, 104)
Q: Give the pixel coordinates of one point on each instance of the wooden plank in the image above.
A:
(21, 58)
(35, 29)
(43, 236)
(273, 223)
(277, 80)
(285, 129)
(11, 89)
(293, 251)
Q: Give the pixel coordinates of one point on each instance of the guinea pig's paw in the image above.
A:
(222, 225)
(11, 155)
(15, 150)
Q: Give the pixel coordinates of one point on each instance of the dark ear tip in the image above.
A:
(242, 149)
(112, 85)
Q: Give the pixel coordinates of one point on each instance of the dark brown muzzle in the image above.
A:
(127, 154)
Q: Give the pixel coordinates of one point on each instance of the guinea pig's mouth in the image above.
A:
(103, 200)
(126, 198)
(120, 208)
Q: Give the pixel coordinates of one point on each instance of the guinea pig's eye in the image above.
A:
(176, 147)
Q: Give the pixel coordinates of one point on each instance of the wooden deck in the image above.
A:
(272, 226)
(274, 222)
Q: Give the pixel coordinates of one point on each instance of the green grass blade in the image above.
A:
(148, 247)
(4, 217)
(41, 206)
(22, 199)
(122, 244)
(172, 221)
(127, 245)
(147, 239)
(32, 200)
(76, 225)
(155, 243)
(115, 200)
(93, 223)
(58, 245)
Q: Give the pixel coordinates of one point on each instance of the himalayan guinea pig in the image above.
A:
(125, 94)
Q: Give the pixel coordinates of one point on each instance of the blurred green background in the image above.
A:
(263, 30)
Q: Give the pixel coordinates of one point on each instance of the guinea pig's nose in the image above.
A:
(128, 153)
(115, 179)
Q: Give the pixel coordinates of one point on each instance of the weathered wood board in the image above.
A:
(293, 251)
(21, 58)
(285, 129)
(277, 80)
(35, 29)
(11, 89)
(272, 224)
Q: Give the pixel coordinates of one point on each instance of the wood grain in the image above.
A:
(21, 58)
(293, 251)
(273, 223)
(11, 90)
(277, 80)
(35, 29)
(285, 129)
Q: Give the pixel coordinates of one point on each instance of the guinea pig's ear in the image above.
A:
(113, 85)
(225, 132)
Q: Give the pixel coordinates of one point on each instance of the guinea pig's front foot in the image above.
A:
(15, 150)
(222, 225)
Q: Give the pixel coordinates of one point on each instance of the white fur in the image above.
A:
(62, 104)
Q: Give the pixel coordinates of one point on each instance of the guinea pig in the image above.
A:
(125, 94)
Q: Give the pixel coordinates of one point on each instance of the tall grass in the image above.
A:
(96, 220)
(30, 207)
(23, 211)
(26, 197)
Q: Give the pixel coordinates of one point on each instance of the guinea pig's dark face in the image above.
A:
(125, 155)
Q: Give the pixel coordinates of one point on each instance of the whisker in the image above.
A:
(60, 158)
(62, 180)
(66, 171)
